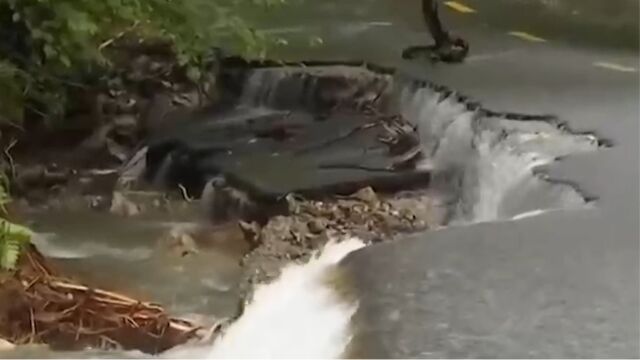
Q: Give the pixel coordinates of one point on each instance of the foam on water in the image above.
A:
(298, 315)
(486, 163)
(47, 244)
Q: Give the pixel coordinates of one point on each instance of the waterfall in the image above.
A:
(488, 162)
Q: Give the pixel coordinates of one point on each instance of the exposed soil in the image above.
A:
(310, 224)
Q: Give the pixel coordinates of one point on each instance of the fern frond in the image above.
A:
(10, 249)
(13, 237)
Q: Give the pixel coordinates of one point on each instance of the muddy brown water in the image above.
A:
(130, 255)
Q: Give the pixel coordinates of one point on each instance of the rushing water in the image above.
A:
(486, 169)
(484, 165)
(488, 163)
(299, 315)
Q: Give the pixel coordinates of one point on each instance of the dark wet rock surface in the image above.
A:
(303, 143)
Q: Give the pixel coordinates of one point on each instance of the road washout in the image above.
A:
(482, 166)
(474, 164)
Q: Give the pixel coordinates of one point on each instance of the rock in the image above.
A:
(96, 202)
(189, 99)
(153, 117)
(98, 140)
(184, 245)
(193, 238)
(317, 225)
(292, 203)
(251, 232)
(122, 206)
(138, 68)
(279, 227)
(28, 176)
(133, 171)
(117, 150)
(38, 176)
(126, 125)
(6, 345)
(179, 241)
(222, 203)
(310, 224)
(367, 195)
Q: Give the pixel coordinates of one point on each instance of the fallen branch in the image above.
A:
(41, 307)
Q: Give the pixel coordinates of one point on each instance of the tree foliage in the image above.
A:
(46, 46)
(44, 42)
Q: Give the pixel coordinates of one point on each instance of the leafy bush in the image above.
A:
(44, 42)
(11, 97)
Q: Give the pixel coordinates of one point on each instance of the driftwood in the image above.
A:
(37, 306)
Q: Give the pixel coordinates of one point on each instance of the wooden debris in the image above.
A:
(37, 306)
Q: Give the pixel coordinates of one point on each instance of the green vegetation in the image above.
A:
(48, 45)
(51, 48)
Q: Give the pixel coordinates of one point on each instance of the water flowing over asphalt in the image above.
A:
(298, 315)
(484, 165)
(541, 256)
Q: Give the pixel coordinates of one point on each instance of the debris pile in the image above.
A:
(36, 306)
(311, 223)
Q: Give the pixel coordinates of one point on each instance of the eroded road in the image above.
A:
(561, 284)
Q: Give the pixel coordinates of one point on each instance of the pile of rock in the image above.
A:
(311, 223)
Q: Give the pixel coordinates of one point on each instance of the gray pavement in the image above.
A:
(563, 284)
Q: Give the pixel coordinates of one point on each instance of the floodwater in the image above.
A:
(529, 267)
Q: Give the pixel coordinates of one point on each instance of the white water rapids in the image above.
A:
(296, 316)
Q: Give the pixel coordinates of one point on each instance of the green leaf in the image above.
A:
(66, 37)
(14, 230)
(13, 238)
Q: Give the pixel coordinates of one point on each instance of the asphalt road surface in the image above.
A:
(562, 284)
